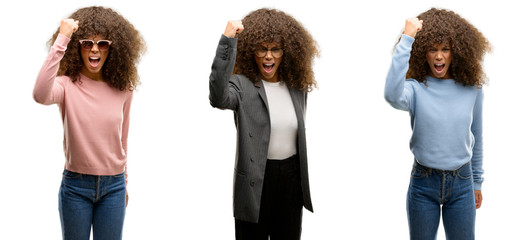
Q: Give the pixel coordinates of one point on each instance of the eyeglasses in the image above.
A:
(88, 44)
(275, 52)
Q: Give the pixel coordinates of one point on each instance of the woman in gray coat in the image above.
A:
(263, 71)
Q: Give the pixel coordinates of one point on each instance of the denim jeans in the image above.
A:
(89, 200)
(429, 189)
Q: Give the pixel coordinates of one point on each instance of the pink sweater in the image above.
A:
(95, 117)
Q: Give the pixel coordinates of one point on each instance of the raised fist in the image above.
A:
(68, 27)
(233, 28)
(413, 26)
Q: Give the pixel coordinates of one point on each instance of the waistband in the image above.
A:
(440, 171)
(67, 172)
(290, 163)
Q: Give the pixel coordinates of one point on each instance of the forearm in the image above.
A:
(47, 90)
(395, 92)
(221, 72)
(477, 130)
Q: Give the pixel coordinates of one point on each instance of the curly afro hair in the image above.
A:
(119, 70)
(271, 25)
(467, 43)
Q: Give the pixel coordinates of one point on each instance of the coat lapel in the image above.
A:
(262, 92)
(297, 97)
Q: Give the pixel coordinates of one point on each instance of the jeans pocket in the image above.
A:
(418, 172)
(120, 175)
(465, 172)
(71, 175)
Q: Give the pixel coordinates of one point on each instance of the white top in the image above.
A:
(284, 125)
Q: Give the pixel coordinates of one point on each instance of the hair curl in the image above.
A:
(119, 70)
(271, 25)
(467, 43)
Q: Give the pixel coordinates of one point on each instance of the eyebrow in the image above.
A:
(260, 46)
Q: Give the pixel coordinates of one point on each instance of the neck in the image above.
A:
(93, 76)
(273, 79)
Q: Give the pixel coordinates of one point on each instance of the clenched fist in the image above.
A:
(413, 26)
(68, 27)
(233, 28)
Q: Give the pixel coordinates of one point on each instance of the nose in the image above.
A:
(439, 55)
(95, 48)
(269, 55)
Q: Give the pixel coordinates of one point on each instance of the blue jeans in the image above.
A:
(89, 200)
(429, 189)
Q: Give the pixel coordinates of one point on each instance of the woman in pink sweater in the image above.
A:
(90, 73)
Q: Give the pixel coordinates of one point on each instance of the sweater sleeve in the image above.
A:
(47, 89)
(476, 129)
(396, 92)
(125, 125)
(223, 92)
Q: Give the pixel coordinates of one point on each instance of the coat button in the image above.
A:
(251, 158)
(252, 183)
(250, 134)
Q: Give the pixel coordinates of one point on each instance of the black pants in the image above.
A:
(281, 206)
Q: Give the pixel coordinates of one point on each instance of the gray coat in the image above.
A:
(249, 102)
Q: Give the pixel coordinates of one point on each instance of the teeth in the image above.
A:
(267, 64)
(94, 58)
(439, 65)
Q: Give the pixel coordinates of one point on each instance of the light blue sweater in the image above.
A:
(446, 117)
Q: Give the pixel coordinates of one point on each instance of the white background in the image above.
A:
(181, 150)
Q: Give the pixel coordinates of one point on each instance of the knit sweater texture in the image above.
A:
(95, 116)
(446, 117)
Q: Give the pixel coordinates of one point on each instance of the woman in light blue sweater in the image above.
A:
(436, 75)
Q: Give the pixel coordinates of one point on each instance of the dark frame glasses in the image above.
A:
(276, 52)
(88, 44)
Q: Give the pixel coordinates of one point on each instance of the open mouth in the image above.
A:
(94, 61)
(268, 67)
(439, 67)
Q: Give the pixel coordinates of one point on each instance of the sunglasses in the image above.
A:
(88, 44)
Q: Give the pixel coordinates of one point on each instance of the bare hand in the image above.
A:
(68, 27)
(127, 199)
(478, 198)
(233, 28)
(413, 26)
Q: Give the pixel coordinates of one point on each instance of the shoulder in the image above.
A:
(476, 90)
(479, 91)
(414, 84)
(127, 92)
(241, 78)
(242, 81)
(64, 80)
(414, 81)
(297, 90)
